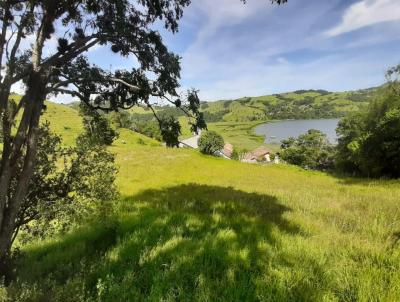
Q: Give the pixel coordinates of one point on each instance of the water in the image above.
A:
(275, 132)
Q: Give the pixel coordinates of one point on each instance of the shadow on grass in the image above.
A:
(188, 243)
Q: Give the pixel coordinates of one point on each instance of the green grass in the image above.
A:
(64, 121)
(240, 134)
(194, 228)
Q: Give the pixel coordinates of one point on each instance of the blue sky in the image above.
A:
(231, 50)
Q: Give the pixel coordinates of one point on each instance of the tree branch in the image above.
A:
(61, 58)
(3, 33)
(132, 87)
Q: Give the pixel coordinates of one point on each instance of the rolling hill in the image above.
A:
(302, 104)
(190, 227)
(235, 119)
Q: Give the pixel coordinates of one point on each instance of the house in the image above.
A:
(226, 152)
(191, 142)
(256, 155)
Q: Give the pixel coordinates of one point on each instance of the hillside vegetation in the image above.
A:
(235, 119)
(302, 104)
(190, 227)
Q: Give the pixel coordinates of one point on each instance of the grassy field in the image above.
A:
(194, 228)
(64, 120)
(240, 134)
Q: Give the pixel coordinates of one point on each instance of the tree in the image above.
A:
(369, 141)
(120, 119)
(311, 150)
(78, 25)
(97, 128)
(349, 131)
(210, 142)
(67, 184)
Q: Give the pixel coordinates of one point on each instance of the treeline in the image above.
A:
(368, 140)
(306, 108)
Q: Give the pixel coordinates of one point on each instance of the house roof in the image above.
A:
(228, 150)
(256, 153)
(191, 142)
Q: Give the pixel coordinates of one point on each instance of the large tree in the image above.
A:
(27, 29)
(369, 141)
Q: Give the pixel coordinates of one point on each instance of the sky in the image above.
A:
(231, 50)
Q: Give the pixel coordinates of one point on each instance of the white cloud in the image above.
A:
(252, 78)
(209, 43)
(366, 13)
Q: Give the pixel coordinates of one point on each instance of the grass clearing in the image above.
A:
(189, 227)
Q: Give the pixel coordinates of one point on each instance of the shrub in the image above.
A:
(210, 142)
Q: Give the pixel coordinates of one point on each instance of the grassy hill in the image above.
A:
(302, 104)
(189, 227)
(235, 119)
(64, 120)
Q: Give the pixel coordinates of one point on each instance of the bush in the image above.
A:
(120, 119)
(97, 128)
(210, 142)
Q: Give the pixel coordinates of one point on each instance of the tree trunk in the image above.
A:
(19, 152)
(26, 137)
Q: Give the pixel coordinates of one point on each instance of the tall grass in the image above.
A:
(194, 228)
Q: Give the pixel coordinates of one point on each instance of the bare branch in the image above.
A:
(186, 112)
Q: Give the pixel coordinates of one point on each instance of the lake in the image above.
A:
(274, 132)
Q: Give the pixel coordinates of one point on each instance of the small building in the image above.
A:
(228, 150)
(191, 142)
(259, 154)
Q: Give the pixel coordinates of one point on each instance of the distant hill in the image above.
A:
(301, 104)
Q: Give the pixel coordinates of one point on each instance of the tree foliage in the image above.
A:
(97, 128)
(69, 185)
(124, 26)
(369, 142)
(311, 150)
(210, 142)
